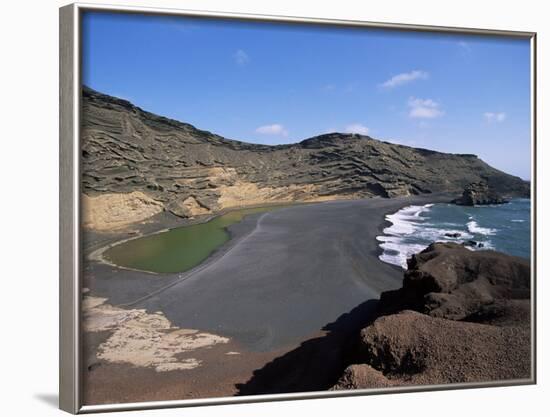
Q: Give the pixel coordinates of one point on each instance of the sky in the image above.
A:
(275, 83)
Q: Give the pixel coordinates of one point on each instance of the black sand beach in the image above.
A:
(283, 275)
(285, 278)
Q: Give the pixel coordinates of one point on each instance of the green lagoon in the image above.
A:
(178, 249)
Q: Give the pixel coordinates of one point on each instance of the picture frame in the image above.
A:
(71, 217)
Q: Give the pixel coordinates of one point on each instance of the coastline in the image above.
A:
(168, 293)
(460, 317)
(479, 227)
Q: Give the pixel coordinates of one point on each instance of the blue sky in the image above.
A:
(279, 83)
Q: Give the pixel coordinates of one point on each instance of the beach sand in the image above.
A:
(283, 294)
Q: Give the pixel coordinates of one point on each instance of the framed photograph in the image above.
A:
(256, 208)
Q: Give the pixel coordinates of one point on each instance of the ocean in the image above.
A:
(504, 227)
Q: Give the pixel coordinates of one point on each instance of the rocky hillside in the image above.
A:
(461, 316)
(136, 164)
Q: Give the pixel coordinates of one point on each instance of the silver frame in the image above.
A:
(70, 257)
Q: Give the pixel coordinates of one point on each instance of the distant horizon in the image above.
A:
(279, 83)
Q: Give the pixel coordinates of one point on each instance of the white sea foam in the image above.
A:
(413, 228)
(436, 235)
(446, 224)
(396, 251)
(409, 233)
(403, 221)
(422, 209)
(487, 244)
(473, 227)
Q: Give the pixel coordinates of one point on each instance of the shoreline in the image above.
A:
(420, 225)
(238, 232)
(196, 299)
(97, 254)
(459, 317)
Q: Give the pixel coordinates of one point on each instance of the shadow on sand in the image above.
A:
(317, 363)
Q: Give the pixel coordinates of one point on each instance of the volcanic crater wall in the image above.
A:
(175, 167)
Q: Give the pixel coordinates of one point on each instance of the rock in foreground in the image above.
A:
(461, 316)
(410, 348)
(450, 281)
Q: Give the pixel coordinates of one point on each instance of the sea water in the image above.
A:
(503, 227)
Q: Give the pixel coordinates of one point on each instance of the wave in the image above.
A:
(403, 221)
(396, 251)
(506, 228)
(409, 233)
(475, 228)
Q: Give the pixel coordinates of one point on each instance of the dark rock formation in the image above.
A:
(449, 281)
(193, 172)
(362, 376)
(478, 194)
(461, 316)
(473, 244)
(410, 348)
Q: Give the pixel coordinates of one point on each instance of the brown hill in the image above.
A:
(169, 165)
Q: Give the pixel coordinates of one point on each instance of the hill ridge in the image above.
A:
(190, 172)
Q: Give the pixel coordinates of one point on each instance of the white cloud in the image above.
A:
(491, 117)
(424, 108)
(274, 129)
(357, 128)
(404, 78)
(241, 57)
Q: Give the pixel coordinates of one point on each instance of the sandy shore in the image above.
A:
(282, 294)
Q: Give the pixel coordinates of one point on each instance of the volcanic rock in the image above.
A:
(362, 376)
(191, 172)
(473, 244)
(461, 316)
(478, 194)
(449, 281)
(410, 348)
